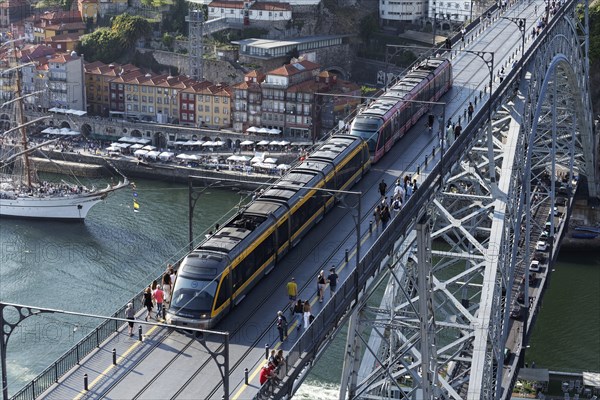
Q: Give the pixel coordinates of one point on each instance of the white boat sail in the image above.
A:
(22, 194)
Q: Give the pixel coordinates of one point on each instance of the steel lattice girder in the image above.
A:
(480, 222)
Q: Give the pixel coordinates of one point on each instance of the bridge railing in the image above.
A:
(83, 348)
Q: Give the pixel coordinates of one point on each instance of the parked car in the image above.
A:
(541, 245)
(535, 266)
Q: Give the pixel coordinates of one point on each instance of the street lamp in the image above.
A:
(521, 24)
(193, 197)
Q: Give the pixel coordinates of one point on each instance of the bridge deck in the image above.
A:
(170, 364)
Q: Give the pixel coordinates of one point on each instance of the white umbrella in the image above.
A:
(113, 148)
(270, 160)
(137, 146)
(283, 166)
(264, 130)
(247, 143)
(208, 144)
(252, 129)
(256, 160)
(153, 154)
(233, 158)
(182, 156)
(274, 143)
(219, 143)
(284, 143)
(192, 157)
(244, 158)
(165, 155)
(197, 142)
(149, 148)
(140, 152)
(263, 143)
(274, 131)
(143, 141)
(124, 145)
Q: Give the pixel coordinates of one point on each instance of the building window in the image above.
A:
(216, 110)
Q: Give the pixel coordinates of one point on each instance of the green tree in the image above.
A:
(103, 45)
(168, 40)
(130, 29)
(368, 26)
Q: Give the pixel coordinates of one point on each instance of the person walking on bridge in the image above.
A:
(148, 302)
(382, 188)
(307, 314)
(130, 315)
(282, 325)
(299, 312)
(292, 289)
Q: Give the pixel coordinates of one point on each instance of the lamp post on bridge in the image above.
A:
(522, 25)
(193, 197)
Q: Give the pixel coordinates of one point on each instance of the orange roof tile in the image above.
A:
(226, 4)
(269, 6)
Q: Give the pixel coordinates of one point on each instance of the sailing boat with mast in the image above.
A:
(22, 194)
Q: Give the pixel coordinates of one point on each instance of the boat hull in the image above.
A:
(73, 207)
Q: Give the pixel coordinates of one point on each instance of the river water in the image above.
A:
(96, 266)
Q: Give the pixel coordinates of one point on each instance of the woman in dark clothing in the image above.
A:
(148, 302)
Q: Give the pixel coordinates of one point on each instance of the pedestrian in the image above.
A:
(332, 280)
(396, 205)
(449, 132)
(171, 274)
(457, 130)
(382, 187)
(130, 315)
(399, 192)
(292, 289)
(463, 32)
(430, 121)
(377, 215)
(266, 373)
(159, 297)
(278, 358)
(282, 325)
(409, 190)
(307, 314)
(384, 201)
(385, 216)
(470, 110)
(166, 284)
(415, 187)
(321, 283)
(148, 302)
(273, 358)
(299, 311)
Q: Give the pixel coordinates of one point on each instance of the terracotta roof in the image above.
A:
(65, 37)
(292, 69)
(66, 25)
(227, 4)
(33, 51)
(307, 87)
(268, 6)
(61, 15)
(197, 87)
(62, 58)
(114, 69)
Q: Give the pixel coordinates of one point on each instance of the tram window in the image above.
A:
(303, 214)
(224, 291)
(283, 234)
(264, 251)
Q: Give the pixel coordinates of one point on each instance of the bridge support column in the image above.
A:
(351, 359)
(426, 320)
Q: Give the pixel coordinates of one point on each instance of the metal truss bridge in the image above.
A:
(459, 293)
